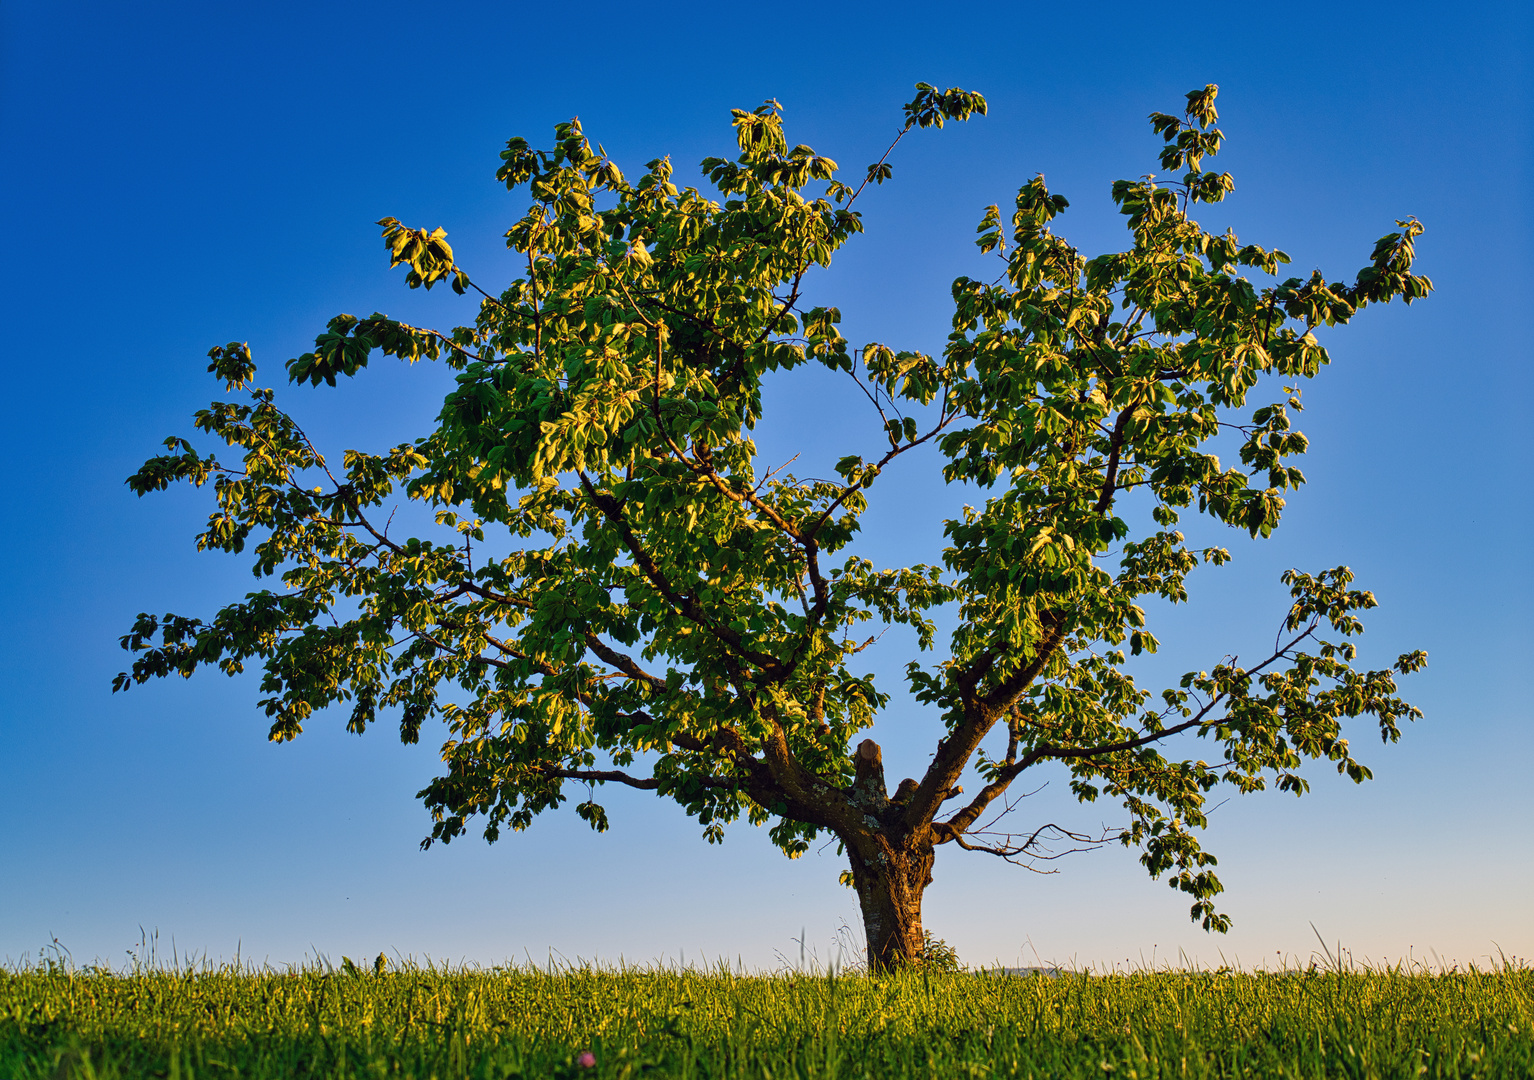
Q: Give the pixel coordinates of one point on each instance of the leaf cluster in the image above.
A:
(619, 580)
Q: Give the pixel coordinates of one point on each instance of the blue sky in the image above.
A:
(182, 175)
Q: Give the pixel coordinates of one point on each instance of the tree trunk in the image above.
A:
(890, 884)
(891, 865)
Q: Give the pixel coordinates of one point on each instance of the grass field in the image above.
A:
(432, 1022)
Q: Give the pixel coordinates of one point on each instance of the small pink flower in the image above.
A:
(586, 1060)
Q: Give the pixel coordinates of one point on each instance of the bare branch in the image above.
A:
(1031, 849)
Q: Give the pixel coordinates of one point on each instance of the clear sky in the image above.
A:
(181, 175)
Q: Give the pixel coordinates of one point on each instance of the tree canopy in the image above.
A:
(620, 590)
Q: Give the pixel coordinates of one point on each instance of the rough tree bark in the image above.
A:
(891, 864)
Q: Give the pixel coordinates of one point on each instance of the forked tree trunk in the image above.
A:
(891, 865)
(889, 884)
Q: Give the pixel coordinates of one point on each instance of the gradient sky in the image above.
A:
(182, 175)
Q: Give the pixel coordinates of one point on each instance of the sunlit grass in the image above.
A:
(424, 1021)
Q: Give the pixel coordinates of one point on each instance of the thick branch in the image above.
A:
(623, 662)
(809, 796)
(969, 678)
(684, 604)
(1115, 444)
(1005, 693)
(955, 750)
(600, 776)
(701, 464)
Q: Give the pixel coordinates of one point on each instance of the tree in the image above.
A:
(622, 592)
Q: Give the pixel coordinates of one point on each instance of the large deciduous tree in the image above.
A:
(623, 591)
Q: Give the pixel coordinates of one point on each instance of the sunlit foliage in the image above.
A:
(622, 591)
